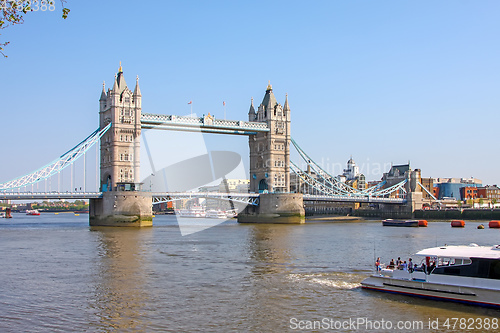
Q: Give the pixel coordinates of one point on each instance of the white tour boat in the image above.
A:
(466, 274)
(192, 212)
(216, 214)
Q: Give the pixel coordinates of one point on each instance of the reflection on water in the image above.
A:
(58, 274)
(119, 284)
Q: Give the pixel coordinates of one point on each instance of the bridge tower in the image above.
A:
(270, 151)
(123, 203)
(120, 146)
(270, 166)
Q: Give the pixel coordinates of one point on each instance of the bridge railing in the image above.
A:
(149, 120)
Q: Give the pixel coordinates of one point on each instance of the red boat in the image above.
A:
(7, 214)
(32, 212)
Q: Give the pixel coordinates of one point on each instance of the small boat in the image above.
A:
(399, 223)
(192, 212)
(32, 212)
(422, 223)
(494, 224)
(457, 224)
(481, 226)
(465, 274)
(7, 214)
(216, 214)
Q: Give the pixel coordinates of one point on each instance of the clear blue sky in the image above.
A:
(383, 81)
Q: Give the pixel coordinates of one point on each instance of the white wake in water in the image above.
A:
(341, 281)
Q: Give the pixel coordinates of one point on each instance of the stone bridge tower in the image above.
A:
(120, 146)
(122, 202)
(270, 151)
(270, 166)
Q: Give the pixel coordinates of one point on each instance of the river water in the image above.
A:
(60, 275)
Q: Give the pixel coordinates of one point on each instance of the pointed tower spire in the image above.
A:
(252, 109)
(115, 85)
(137, 90)
(121, 79)
(269, 101)
(286, 107)
(103, 93)
(251, 112)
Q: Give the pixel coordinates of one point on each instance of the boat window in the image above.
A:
(453, 261)
(495, 270)
(445, 262)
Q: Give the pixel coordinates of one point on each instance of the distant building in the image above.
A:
(468, 192)
(352, 171)
(234, 185)
(352, 176)
(428, 183)
(396, 174)
(435, 191)
(212, 188)
(491, 192)
(450, 187)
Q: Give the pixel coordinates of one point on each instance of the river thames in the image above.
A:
(60, 275)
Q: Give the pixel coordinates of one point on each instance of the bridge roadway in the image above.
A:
(359, 199)
(206, 124)
(248, 198)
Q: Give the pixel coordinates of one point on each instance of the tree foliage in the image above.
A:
(14, 11)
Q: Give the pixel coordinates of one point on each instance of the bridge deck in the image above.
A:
(167, 196)
(48, 195)
(205, 124)
(359, 199)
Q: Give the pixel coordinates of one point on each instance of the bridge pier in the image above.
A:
(122, 209)
(275, 208)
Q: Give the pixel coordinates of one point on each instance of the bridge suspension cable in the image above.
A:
(342, 188)
(330, 185)
(57, 165)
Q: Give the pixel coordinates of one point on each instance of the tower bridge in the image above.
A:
(120, 200)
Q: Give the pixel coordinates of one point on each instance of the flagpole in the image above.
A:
(224, 109)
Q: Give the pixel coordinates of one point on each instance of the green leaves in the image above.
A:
(65, 13)
(14, 13)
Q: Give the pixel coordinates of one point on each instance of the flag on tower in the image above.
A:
(224, 103)
(190, 102)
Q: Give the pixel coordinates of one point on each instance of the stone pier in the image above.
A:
(122, 209)
(275, 208)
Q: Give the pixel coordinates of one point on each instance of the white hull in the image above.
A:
(216, 214)
(472, 293)
(191, 213)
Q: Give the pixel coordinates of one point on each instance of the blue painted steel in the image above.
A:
(57, 165)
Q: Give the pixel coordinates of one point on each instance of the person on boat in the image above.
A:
(391, 264)
(404, 266)
(398, 262)
(377, 264)
(432, 266)
(410, 265)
